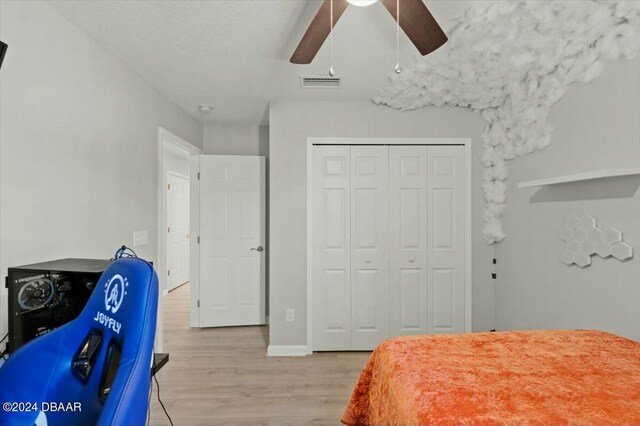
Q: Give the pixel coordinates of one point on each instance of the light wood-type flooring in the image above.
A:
(222, 376)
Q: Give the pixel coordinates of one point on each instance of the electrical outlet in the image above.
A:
(140, 238)
(290, 315)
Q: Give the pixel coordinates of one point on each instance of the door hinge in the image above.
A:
(168, 229)
(169, 186)
(198, 175)
(198, 239)
(198, 303)
(168, 272)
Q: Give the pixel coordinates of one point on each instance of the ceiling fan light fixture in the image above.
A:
(417, 22)
(205, 109)
(361, 3)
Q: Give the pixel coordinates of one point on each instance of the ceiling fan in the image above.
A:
(415, 20)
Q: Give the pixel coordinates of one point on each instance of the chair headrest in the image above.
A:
(121, 299)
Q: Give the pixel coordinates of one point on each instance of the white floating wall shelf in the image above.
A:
(595, 174)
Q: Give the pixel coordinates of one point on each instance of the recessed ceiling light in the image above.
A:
(205, 109)
(362, 3)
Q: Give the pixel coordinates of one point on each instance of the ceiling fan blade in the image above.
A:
(418, 24)
(318, 31)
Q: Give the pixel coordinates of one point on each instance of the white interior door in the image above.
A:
(369, 246)
(408, 239)
(446, 237)
(177, 230)
(232, 224)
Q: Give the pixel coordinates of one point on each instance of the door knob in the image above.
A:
(411, 260)
(258, 249)
(367, 261)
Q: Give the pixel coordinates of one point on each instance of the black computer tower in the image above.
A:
(46, 295)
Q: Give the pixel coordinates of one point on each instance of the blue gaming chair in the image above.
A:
(94, 370)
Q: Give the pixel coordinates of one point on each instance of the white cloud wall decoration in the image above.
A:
(511, 61)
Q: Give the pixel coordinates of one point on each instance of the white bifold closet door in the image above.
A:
(369, 246)
(409, 250)
(446, 211)
(331, 230)
(388, 243)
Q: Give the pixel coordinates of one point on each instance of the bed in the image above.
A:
(517, 377)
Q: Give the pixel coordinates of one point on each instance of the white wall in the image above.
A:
(596, 126)
(291, 123)
(232, 140)
(79, 144)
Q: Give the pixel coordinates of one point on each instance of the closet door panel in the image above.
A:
(369, 248)
(331, 273)
(446, 237)
(408, 240)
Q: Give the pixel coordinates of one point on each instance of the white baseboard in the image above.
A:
(287, 350)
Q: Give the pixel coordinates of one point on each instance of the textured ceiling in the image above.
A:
(234, 54)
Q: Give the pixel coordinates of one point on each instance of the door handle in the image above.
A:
(258, 249)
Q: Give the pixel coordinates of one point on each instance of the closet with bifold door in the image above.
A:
(388, 239)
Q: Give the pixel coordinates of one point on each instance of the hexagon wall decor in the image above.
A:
(583, 239)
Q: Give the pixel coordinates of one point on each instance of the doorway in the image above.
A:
(178, 233)
(174, 218)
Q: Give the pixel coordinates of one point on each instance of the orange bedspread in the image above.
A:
(577, 377)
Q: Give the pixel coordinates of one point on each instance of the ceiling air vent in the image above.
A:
(319, 82)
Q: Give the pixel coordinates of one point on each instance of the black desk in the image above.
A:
(159, 361)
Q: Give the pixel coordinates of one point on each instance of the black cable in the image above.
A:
(124, 251)
(161, 404)
(6, 350)
(127, 252)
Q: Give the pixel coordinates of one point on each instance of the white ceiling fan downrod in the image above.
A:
(331, 71)
(398, 68)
